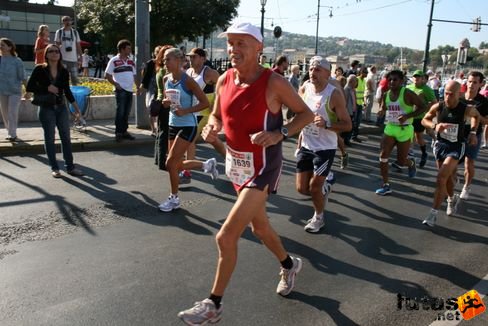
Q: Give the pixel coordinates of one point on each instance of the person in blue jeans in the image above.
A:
(52, 78)
(120, 72)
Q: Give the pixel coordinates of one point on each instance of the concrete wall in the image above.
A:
(100, 108)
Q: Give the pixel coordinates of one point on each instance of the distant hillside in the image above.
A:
(333, 46)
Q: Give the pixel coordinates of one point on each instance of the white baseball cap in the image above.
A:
(243, 28)
(320, 61)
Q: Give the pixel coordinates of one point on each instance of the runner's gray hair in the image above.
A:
(175, 52)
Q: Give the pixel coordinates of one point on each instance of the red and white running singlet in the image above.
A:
(245, 112)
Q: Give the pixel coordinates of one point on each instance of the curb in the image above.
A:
(37, 146)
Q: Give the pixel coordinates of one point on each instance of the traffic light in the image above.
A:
(476, 24)
(277, 31)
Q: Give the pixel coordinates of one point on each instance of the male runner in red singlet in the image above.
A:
(248, 105)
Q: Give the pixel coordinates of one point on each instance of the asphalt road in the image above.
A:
(96, 251)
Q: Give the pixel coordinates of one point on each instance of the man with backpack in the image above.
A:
(68, 40)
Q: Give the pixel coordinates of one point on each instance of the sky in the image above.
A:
(402, 23)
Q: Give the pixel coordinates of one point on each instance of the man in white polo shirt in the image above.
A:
(120, 72)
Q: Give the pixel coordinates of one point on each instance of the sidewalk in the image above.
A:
(98, 134)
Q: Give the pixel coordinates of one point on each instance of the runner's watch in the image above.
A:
(284, 132)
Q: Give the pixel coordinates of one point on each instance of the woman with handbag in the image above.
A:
(50, 83)
(12, 77)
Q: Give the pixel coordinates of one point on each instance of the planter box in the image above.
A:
(100, 108)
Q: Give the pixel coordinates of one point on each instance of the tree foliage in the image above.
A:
(436, 55)
(171, 20)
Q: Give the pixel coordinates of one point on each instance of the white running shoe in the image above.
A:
(201, 313)
(430, 220)
(314, 224)
(452, 205)
(212, 168)
(465, 193)
(287, 281)
(170, 204)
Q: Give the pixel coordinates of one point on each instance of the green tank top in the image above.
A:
(397, 108)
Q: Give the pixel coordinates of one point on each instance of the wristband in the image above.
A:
(472, 132)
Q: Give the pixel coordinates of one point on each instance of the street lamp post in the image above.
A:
(317, 28)
(142, 55)
(263, 4)
(427, 41)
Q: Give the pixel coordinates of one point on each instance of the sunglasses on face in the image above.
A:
(52, 51)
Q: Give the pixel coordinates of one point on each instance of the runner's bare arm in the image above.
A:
(474, 115)
(338, 105)
(301, 90)
(383, 108)
(429, 116)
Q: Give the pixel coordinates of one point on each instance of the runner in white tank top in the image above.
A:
(318, 140)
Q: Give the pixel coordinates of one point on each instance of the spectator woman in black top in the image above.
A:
(149, 86)
(161, 144)
(52, 77)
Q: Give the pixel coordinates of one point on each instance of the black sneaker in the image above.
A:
(357, 140)
(412, 169)
(126, 135)
(76, 172)
(423, 160)
(118, 137)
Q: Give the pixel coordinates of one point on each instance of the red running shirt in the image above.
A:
(244, 112)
